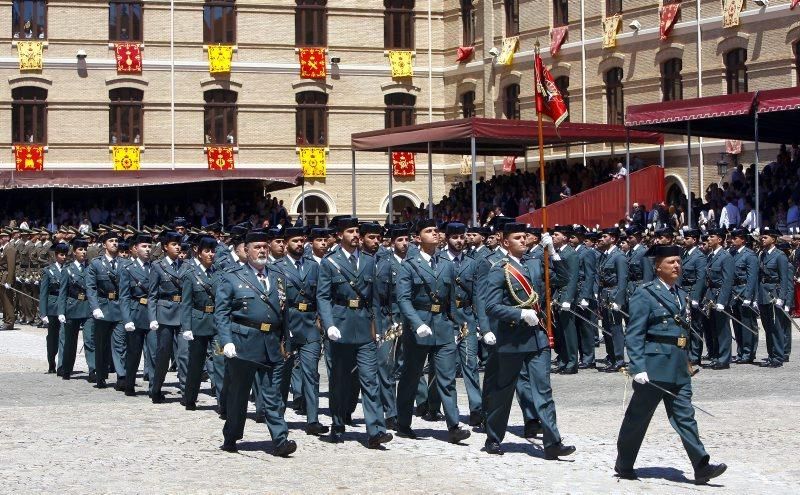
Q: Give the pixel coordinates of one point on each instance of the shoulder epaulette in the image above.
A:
(501, 262)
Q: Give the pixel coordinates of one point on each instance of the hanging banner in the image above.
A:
(313, 162)
(465, 53)
(404, 164)
(466, 165)
(549, 99)
(125, 157)
(312, 63)
(220, 158)
(30, 55)
(510, 46)
(219, 59)
(402, 65)
(730, 12)
(557, 37)
(29, 157)
(129, 57)
(669, 14)
(610, 29)
(509, 164)
(793, 4)
(733, 147)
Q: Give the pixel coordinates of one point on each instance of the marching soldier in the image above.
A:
(640, 268)
(249, 318)
(612, 272)
(74, 312)
(427, 302)
(586, 296)
(346, 299)
(773, 295)
(300, 276)
(693, 282)
(48, 303)
(8, 275)
(133, 288)
(564, 281)
(520, 342)
(656, 342)
(719, 283)
(745, 284)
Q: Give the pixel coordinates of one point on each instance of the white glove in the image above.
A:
(695, 304)
(641, 378)
(130, 327)
(45, 320)
(786, 309)
(490, 339)
(755, 304)
(547, 242)
(778, 302)
(529, 317)
(97, 314)
(719, 307)
(615, 306)
(566, 305)
(187, 335)
(584, 303)
(746, 302)
(7, 285)
(424, 331)
(62, 318)
(334, 334)
(229, 351)
(153, 325)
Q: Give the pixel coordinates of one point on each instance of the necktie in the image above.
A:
(263, 279)
(354, 261)
(113, 264)
(675, 295)
(299, 265)
(458, 261)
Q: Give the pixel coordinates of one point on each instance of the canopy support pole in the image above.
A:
(661, 154)
(689, 174)
(474, 180)
(138, 210)
(757, 205)
(430, 182)
(391, 193)
(222, 202)
(525, 159)
(53, 207)
(353, 177)
(628, 173)
(303, 199)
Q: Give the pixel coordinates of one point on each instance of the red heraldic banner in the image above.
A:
(312, 63)
(465, 53)
(669, 13)
(509, 164)
(29, 157)
(403, 164)
(220, 158)
(557, 37)
(129, 57)
(548, 99)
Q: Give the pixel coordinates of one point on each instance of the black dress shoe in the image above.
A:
(158, 399)
(735, 360)
(229, 447)
(66, 377)
(59, 372)
(744, 361)
(377, 440)
(625, 474)
(421, 410)
(348, 420)
(190, 406)
(553, 452)
(584, 366)
(457, 434)
(494, 448)
(130, 392)
(120, 385)
(92, 377)
(707, 472)
(285, 449)
(433, 416)
(569, 371)
(775, 364)
(50, 371)
(475, 418)
(406, 433)
(334, 437)
(391, 423)
(720, 366)
(261, 418)
(316, 429)
(101, 384)
(532, 428)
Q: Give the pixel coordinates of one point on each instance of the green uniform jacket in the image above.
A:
(48, 290)
(745, 274)
(72, 301)
(164, 293)
(197, 300)
(775, 277)
(612, 273)
(418, 288)
(301, 292)
(102, 287)
(719, 277)
(133, 280)
(693, 274)
(564, 277)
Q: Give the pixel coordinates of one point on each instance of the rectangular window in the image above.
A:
(398, 25)
(311, 120)
(468, 104)
(29, 115)
(125, 116)
(467, 23)
(736, 70)
(615, 105)
(29, 19)
(671, 80)
(560, 13)
(400, 110)
(124, 21)
(511, 102)
(220, 117)
(219, 22)
(613, 7)
(512, 17)
(310, 28)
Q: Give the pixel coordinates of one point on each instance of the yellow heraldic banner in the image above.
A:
(125, 157)
(466, 165)
(730, 12)
(510, 46)
(219, 59)
(610, 30)
(402, 66)
(30, 55)
(313, 162)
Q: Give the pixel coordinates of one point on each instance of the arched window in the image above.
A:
(311, 23)
(560, 13)
(467, 22)
(29, 115)
(468, 104)
(511, 102)
(398, 24)
(613, 7)
(736, 70)
(29, 19)
(402, 209)
(671, 80)
(219, 22)
(796, 48)
(512, 17)
(615, 104)
(562, 84)
(311, 121)
(220, 117)
(316, 210)
(125, 116)
(124, 20)
(400, 110)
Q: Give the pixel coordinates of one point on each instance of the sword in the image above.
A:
(659, 387)
(620, 311)
(787, 315)
(737, 320)
(24, 294)
(559, 307)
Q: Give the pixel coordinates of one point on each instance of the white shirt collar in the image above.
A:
(519, 261)
(425, 256)
(771, 249)
(77, 264)
(398, 258)
(691, 250)
(716, 250)
(452, 256)
(318, 260)
(141, 263)
(669, 287)
(613, 247)
(58, 265)
(108, 258)
(502, 250)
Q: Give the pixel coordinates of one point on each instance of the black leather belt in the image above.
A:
(714, 286)
(350, 303)
(663, 339)
(142, 300)
(203, 308)
(256, 325)
(432, 308)
(769, 281)
(304, 307)
(172, 298)
(463, 304)
(53, 293)
(111, 296)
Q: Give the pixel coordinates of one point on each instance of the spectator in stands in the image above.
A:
(730, 214)
(621, 172)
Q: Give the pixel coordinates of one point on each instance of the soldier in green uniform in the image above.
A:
(520, 342)
(745, 285)
(48, 302)
(693, 282)
(564, 283)
(656, 342)
(74, 311)
(586, 295)
(719, 285)
(249, 318)
(773, 296)
(612, 272)
(8, 270)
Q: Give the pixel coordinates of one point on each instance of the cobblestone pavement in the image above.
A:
(67, 437)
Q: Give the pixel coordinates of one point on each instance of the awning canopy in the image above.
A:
(493, 137)
(278, 178)
(725, 116)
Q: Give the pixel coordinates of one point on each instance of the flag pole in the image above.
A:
(539, 110)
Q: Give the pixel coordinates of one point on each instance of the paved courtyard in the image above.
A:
(67, 437)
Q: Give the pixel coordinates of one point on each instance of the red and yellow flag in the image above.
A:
(126, 157)
(610, 30)
(312, 63)
(730, 12)
(668, 14)
(129, 57)
(509, 164)
(29, 157)
(510, 46)
(313, 162)
(30, 55)
(404, 164)
(557, 37)
(220, 158)
(549, 101)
